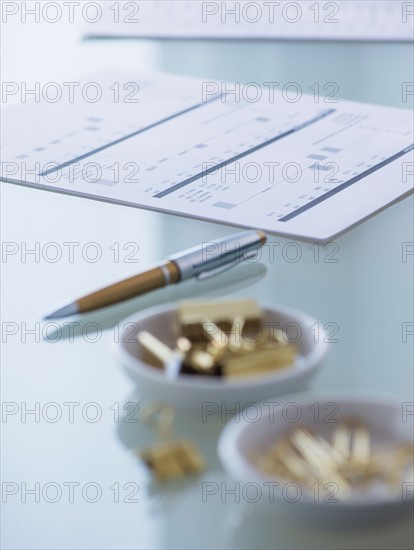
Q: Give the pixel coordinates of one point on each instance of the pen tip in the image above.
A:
(65, 311)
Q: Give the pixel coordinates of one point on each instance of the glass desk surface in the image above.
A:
(361, 285)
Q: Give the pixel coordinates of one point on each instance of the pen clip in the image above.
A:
(213, 272)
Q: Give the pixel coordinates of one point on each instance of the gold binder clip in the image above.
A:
(168, 459)
(213, 340)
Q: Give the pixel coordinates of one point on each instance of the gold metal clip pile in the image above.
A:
(168, 459)
(348, 460)
(226, 339)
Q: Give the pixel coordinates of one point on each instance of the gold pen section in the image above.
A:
(263, 237)
(152, 279)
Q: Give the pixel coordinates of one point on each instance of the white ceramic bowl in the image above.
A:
(193, 391)
(383, 416)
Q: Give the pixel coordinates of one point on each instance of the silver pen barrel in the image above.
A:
(217, 254)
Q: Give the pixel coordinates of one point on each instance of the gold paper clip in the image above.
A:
(168, 459)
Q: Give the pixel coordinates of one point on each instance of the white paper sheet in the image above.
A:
(284, 19)
(290, 164)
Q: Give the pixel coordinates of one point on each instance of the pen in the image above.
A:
(201, 262)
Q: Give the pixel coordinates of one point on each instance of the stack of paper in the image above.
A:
(255, 157)
(319, 20)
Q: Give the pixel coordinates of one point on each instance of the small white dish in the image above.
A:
(384, 417)
(193, 391)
